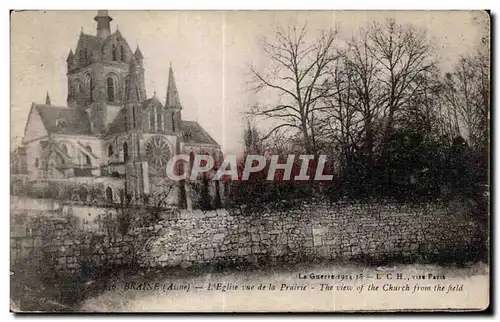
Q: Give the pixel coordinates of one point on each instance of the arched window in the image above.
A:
(137, 93)
(109, 195)
(89, 83)
(64, 148)
(113, 52)
(160, 119)
(83, 193)
(127, 86)
(125, 151)
(173, 121)
(122, 53)
(79, 87)
(84, 159)
(152, 120)
(133, 117)
(85, 54)
(110, 150)
(111, 89)
(82, 57)
(89, 148)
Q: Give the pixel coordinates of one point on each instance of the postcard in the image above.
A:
(250, 161)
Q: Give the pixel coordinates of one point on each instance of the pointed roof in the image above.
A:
(152, 102)
(138, 53)
(118, 34)
(47, 99)
(70, 55)
(93, 43)
(172, 100)
(133, 94)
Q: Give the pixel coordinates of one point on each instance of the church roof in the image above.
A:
(118, 124)
(194, 133)
(76, 121)
(64, 120)
(93, 43)
(113, 36)
(150, 102)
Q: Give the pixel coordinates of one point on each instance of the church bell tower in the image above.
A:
(103, 23)
(98, 73)
(136, 168)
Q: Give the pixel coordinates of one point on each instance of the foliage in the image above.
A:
(159, 201)
(124, 211)
(391, 122)
(201, 197)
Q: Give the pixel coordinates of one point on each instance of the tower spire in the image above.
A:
(138, 53)
(172, 100)
(103, 23)
(173, 103)
(70, 55)
(47, 99)
(133, 94)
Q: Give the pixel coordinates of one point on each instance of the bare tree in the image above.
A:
(367, 90)
(405, 56)
(422, 113)
(124, 211)
(253, 138)
(298, 69)
(160, 201)
(341, 124)
(467, 95)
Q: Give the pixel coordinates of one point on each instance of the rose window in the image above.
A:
(157, 152)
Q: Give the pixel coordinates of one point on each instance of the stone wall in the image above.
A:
(89, 215)
(59, 242)
(313, 231)
(309, 232)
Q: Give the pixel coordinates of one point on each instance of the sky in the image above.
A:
(210, 52)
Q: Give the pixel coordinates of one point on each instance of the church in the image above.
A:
(111, 138)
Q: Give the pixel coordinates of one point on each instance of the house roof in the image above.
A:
(75, 121)
(194, 133)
